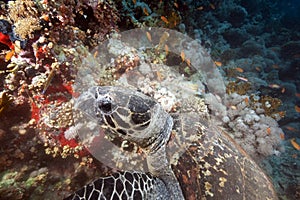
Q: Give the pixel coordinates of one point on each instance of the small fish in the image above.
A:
(163, 38)
(218, 63)
(274, 86)
(246, 100)
(159, 75)
(134, 2)
(9, 55)
(50, 77)
(283, 90)
(258, 69)
(149, 36)
(200, 8)
(212, 6)
(174, 16)
(291, 129)
(96, 54)
(268, 130)
(297, 95)
(48, 81)
(242, 78)
(295, 144)
(297, 108)
(188, 62)
(146, 11)
(167, 49)
(164, 19)
(182, 55)
(162, 41)
(176, 4)
(282, 137)
(239, 69)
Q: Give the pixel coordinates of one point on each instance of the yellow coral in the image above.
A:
(25, 17)
(21, 9)
(24, 27)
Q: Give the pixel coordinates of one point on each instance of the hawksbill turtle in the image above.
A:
(213, 166)
(187, 155)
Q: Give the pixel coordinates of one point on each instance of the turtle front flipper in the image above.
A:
(123, 185)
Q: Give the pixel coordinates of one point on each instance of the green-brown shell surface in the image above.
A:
(224, 172)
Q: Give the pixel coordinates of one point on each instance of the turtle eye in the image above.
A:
(105, 104)
(106, 107)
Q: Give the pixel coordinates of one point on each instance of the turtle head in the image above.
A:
(122, 110)
(126, 113)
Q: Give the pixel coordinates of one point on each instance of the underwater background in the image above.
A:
(254, 44)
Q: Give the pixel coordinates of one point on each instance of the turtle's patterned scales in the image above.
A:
(126, 113)
(123, 185)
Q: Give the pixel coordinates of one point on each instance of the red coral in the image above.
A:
(64, 142)
(4, 39)
(35, 112)
(55, 96)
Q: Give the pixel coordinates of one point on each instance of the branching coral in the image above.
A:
(25, 17)
(24, 27)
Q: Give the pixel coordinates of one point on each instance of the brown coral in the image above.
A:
(240, 88)
(95, 19)
(270, 105)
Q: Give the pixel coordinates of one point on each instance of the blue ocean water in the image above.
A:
(266, 33)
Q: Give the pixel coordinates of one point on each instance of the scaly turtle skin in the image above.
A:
(207, 163)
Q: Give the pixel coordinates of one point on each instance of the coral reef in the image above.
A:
(251, 125)
(43, 44)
